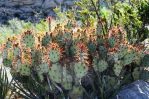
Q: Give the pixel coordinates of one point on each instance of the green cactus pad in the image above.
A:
(67, 36)
(8, 44)
(36, 57)
(16, 52)
(24, 70)
(101, 65)
(145, 61)
(18, 65)
(10, 54)
(43, 68)
(80, 70)
(112, 41)
(7, 62)
(92, 47)
(128, 58)
(46, 40)
(29, 40)
(123, 50)
(5, 53)
(67, 79)
(117, 68)
(54, 56)
(56, 73)
(102, 52)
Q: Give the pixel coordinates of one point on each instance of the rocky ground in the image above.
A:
(30, 10)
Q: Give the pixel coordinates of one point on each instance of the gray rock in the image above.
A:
(137, 90)
(49, 4)
(26, 9)
(59, 1)
(69, 2)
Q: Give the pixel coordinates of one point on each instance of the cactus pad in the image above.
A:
(101, 65)
(67, 79)
(7, 62)
(9, 44)
(102, 52)
(43, 68)
(128, 58)
(54, 56)
(67, 36)
(80, 69)
(117, 68)
(122, 51)
(46, 40)
(24, 70)
(16, 52)
(92, 47)
(112, 41)
(29, 40)
(5, 53)
(55, 73)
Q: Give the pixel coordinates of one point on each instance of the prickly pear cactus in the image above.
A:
(46, 40)
(56, 73)
(102, 52)
(81, 52)
(92, 47)
(80, 69)
(67, 79)
(36, 56)
(100, 65)
(43, 68)
(54, 53)
(67, 36)
(128, 58)
(28, 39)
(8, 43)
(112, 41)
(117, 68)
(54, 56)
(123, 50)
(10, 54)
(16, 51)
(7, 62)
(25, 70)
(5, 53)
(17, 65)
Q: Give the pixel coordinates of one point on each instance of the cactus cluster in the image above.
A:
(66, 58)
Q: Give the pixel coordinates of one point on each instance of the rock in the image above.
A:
(26, 9)
(69, 3)
(49, 4)
(137, 90)
(59, 1)
(25, 2)
(38, 3)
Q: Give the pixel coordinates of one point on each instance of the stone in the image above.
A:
(26, 9)
(59, 1)
(137, 90)
(26, 2)
(38, 3)
(49, 4)
(68, 3)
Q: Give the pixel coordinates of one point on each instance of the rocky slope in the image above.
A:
(30, 10)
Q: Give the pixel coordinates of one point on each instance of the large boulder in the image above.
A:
(137, 90)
